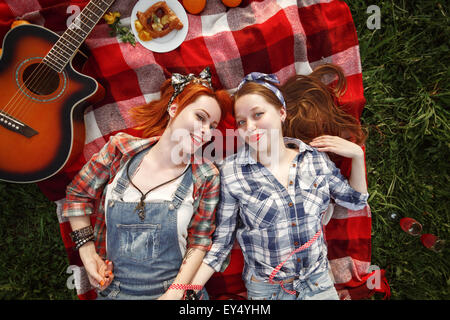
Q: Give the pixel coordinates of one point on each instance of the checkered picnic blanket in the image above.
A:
(284, 37)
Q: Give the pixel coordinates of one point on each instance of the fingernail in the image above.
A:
(102, 283)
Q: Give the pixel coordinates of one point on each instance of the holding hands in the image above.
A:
(99, 271)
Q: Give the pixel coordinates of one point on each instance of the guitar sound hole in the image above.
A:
(40, 79)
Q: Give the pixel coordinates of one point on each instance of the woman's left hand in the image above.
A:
(338, 146)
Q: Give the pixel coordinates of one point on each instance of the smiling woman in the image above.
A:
(158, 214)
(278, 187)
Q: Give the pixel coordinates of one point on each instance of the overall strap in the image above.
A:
(183, 188)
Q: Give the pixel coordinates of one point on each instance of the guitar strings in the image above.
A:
(40, 77)
(42, 82)
(63, 45)
(40, 73)
(13, 104)
(36, 75)
(80, 18)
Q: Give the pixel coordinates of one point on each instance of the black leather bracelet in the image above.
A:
(81, 236)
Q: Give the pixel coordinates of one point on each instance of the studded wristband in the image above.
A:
(80, 243)
(81, 236)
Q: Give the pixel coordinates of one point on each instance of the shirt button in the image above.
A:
(299, 260)
(294, 224)
(294, 165)
(291, 183)
(290, 204)
(316, 284)
(315, 185)
(296, 243)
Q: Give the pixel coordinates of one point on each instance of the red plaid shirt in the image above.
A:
(86, 193)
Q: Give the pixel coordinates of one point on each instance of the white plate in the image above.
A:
(170, 41)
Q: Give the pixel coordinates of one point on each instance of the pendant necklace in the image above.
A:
(140, 208)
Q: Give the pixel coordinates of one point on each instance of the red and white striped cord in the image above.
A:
(178, 286)
(303, 247)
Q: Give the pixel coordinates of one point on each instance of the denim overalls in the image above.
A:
(146, 255)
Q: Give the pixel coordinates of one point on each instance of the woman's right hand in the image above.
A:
(99, 271)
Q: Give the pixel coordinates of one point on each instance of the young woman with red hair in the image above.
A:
(275, 189)
(155, 206)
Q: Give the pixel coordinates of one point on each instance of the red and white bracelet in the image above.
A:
(177, 286)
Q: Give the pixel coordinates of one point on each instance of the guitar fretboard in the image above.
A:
(67, 45)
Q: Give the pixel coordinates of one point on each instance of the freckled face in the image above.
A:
(257, 119)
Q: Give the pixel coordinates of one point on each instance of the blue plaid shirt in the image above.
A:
(271, 221)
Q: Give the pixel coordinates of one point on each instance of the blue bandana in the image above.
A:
(265, 80)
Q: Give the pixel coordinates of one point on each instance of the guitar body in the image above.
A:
(48, 107)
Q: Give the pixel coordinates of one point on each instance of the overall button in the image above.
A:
(290, 204)
(171, 206)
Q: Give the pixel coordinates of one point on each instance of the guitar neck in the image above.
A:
(70, 41)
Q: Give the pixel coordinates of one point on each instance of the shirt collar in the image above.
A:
(244, 155)
(302, 147)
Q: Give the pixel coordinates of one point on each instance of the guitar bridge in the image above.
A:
(15, 125)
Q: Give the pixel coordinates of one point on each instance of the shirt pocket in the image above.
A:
(315, 193)
(312, 182)
(261, 210)
(139, 242)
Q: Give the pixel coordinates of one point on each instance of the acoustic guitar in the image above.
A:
(43, 97)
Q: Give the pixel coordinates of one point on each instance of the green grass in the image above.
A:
(406, 81)
(405, 74)
(33, 261)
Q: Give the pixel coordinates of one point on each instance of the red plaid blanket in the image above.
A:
(282, 37)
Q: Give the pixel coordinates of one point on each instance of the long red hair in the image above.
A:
(152, 118)
(312, 108)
